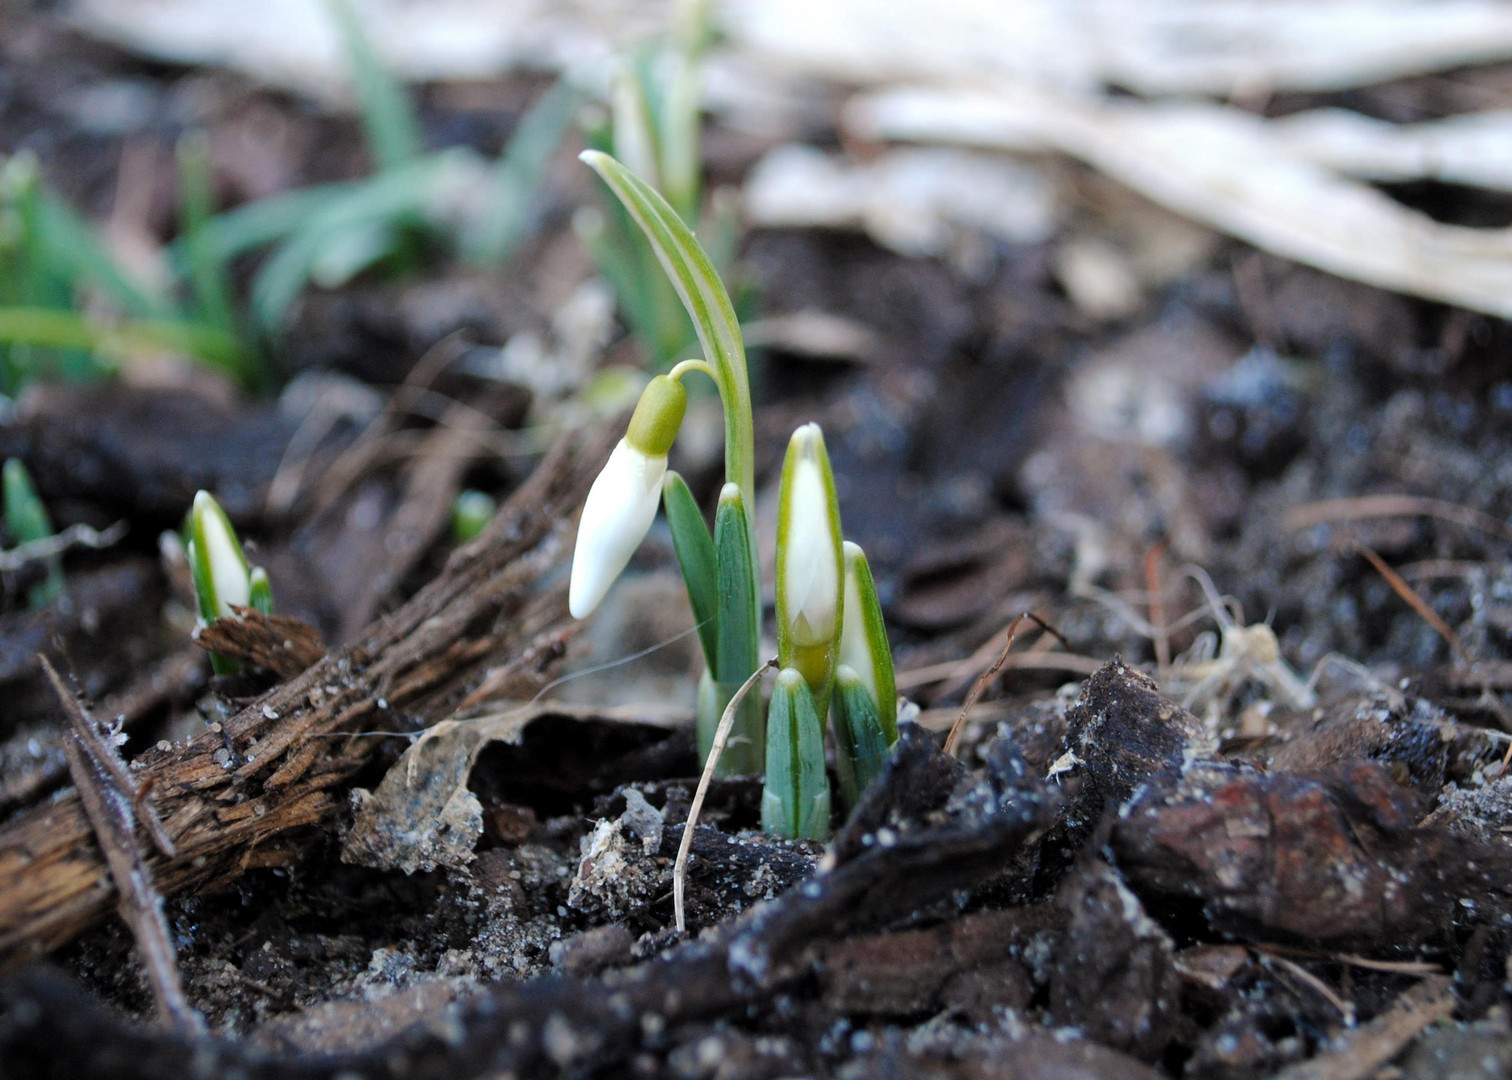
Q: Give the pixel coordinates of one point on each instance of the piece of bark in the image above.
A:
(282, 644)
(112, 802)
(230, 799)
(1334, 860)
(1123, 733)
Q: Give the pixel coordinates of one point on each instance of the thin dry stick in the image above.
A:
(113, 803)
(721, 736)
(1157, 609)
(1416, 602)
(48, 546)
(1346, 1009)
(1371, 506)
(978, 687)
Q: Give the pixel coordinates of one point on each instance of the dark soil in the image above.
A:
(1196, 861)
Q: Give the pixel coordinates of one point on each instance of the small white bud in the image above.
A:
(855, 646)
(809, 575)
(616, 516)
(222, 555)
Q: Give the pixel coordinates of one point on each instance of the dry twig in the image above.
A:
(1416, 602)
(1372, 506)
(113, 804)
(1362, 1051)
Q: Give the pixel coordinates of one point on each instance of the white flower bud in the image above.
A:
(809, 574)
(855, 646)
(220, 554)
(616, 516)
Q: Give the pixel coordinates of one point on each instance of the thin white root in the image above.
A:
(721, 736)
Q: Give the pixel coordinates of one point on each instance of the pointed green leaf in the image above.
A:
(26, 519)
(695, 555)
(506, 219)
(796, 800)
(861, 739)
(738, 640)
(260, 591)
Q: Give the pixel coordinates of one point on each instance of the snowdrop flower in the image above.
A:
(622, 502)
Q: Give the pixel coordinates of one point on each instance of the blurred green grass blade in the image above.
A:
(269, 220)
(506, 219)
(70, 250)
(677, 122)
(27, 521)
(634, 124)
(50, 327)
(392, 201)
(614, 253)
(393, 134)
(695, 555)
(206, 271)
(350, 251)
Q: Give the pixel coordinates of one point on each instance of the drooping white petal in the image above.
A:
(810, 577)
(619, 510)
(228, 569)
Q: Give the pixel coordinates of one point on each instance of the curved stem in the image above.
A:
(683, 367)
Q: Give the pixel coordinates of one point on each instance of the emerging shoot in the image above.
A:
(865, 701)
(223, 579)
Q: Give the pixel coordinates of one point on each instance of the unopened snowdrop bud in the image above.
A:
(622, 502)
(863, 639)
(222, 578)
(808, 563)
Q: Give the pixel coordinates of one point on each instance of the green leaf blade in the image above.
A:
(695, 556)
(796, 800)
